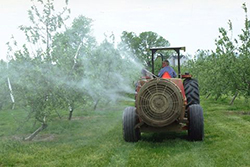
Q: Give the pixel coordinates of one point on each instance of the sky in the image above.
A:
(190, 23)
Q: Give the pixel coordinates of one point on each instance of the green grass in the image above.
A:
(95, 139)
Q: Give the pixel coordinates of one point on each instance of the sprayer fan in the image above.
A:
(159, 102)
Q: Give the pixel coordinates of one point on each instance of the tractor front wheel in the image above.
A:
(130, 120)
(196, 123)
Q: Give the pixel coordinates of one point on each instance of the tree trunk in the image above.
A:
(208, 95)
(58, 115)
(96, 103)
(13, 106)
(248, 91)
(31, 137)
(232, 101)
(34, 124)
(77, 52)
(217, 97)
(71, 109)
(11, 93)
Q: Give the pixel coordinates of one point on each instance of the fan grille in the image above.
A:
(159, 102)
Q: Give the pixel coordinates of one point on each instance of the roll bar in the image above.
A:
(177, 49)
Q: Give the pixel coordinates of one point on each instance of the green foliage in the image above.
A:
(244, 55)
(140, 45)
(158, 64)
(60, 69)
(31, 69)
(45, 22)
(225, 71)
(109, 73)
(69, 48)
(4, 91)
(75, 41)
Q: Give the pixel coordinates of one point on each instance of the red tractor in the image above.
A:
(163, 105)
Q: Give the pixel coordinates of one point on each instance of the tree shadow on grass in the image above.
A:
(163, 137)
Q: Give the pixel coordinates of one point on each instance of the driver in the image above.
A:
(167, 71)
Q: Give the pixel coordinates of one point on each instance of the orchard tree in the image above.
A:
(69, 48)
(98, 68)
(225, 71)
(45, 22)
(75, 41)
(32, 71)
(233, 60)
(201, 67)
(244, 55)
(109, 73)
(225, 65)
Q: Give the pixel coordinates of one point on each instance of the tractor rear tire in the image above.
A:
(191, 91)
(130, 120)
(196, 123)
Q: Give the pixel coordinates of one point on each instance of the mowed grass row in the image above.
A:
(95, 139)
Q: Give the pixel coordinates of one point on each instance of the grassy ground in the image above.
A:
(95, 139)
